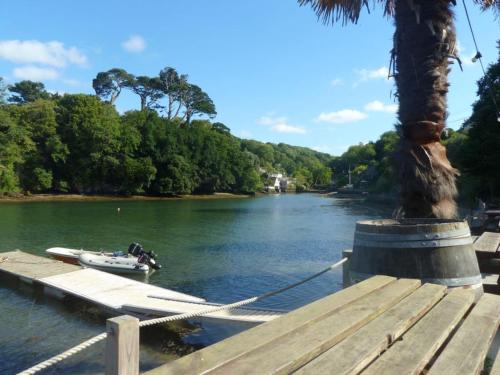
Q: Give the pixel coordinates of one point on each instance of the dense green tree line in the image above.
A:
(309, 168)
(370, 164)
(80, 144)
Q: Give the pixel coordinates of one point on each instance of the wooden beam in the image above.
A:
(346, 278)
(466, 351)
(122, 346)
(486, 246)
(353, 354)
(417, 347)
(32, 267)
(234, 347)
(292, 351)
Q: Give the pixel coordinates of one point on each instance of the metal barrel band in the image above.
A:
(424, 236)
(414, 244)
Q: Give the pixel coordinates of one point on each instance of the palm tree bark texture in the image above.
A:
(424, 42)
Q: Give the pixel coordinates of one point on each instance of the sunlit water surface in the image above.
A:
(222, 250)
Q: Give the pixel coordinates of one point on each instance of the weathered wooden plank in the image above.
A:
(130, 296)
(233, 347)
(491, 284)
(111, 291)
(122, 346)
(32, 267)
(411, 354)
(466, 351)
(487, 244)
(357, 351)
(290, 352)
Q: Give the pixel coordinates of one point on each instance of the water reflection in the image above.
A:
(221, 250)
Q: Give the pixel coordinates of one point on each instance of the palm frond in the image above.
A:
(331, 11)
(487, 4)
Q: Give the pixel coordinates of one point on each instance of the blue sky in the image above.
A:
(275, 73)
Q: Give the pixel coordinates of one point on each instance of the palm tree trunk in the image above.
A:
(423, 41)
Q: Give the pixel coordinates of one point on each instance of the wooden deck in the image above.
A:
(380, 326)
(116, 293)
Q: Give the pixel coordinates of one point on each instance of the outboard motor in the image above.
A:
(145, 257)
(153, 264)
(135, 249)
(152, 261)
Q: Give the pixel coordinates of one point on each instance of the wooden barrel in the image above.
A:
(437, 251)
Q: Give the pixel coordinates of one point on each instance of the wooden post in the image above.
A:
(346, 278)
(122, 346)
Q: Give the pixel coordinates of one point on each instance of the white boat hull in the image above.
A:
(112, 264)
(71, 255)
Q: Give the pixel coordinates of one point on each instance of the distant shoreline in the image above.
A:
(104, 197)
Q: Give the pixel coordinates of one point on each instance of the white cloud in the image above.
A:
(342, 116)
(134, 44)
(245, 134)
(370, 75)
(34, 52)
(72, 82)
(285, 128)
(280, 125)
(34, 73)
(323, 148)
(336, 82)
(366, 75)
(269, 120)
(378, 106)
(465, 58)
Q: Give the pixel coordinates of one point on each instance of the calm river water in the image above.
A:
(222, 250)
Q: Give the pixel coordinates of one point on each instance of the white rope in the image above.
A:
(68, 353)
(236, 304)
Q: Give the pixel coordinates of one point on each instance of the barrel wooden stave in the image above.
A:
(436, 251)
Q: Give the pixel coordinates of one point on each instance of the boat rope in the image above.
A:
(78, 348)
(60, 357)
(234, 305)
(478, 56)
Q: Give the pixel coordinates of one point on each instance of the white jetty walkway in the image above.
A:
(115, 293)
